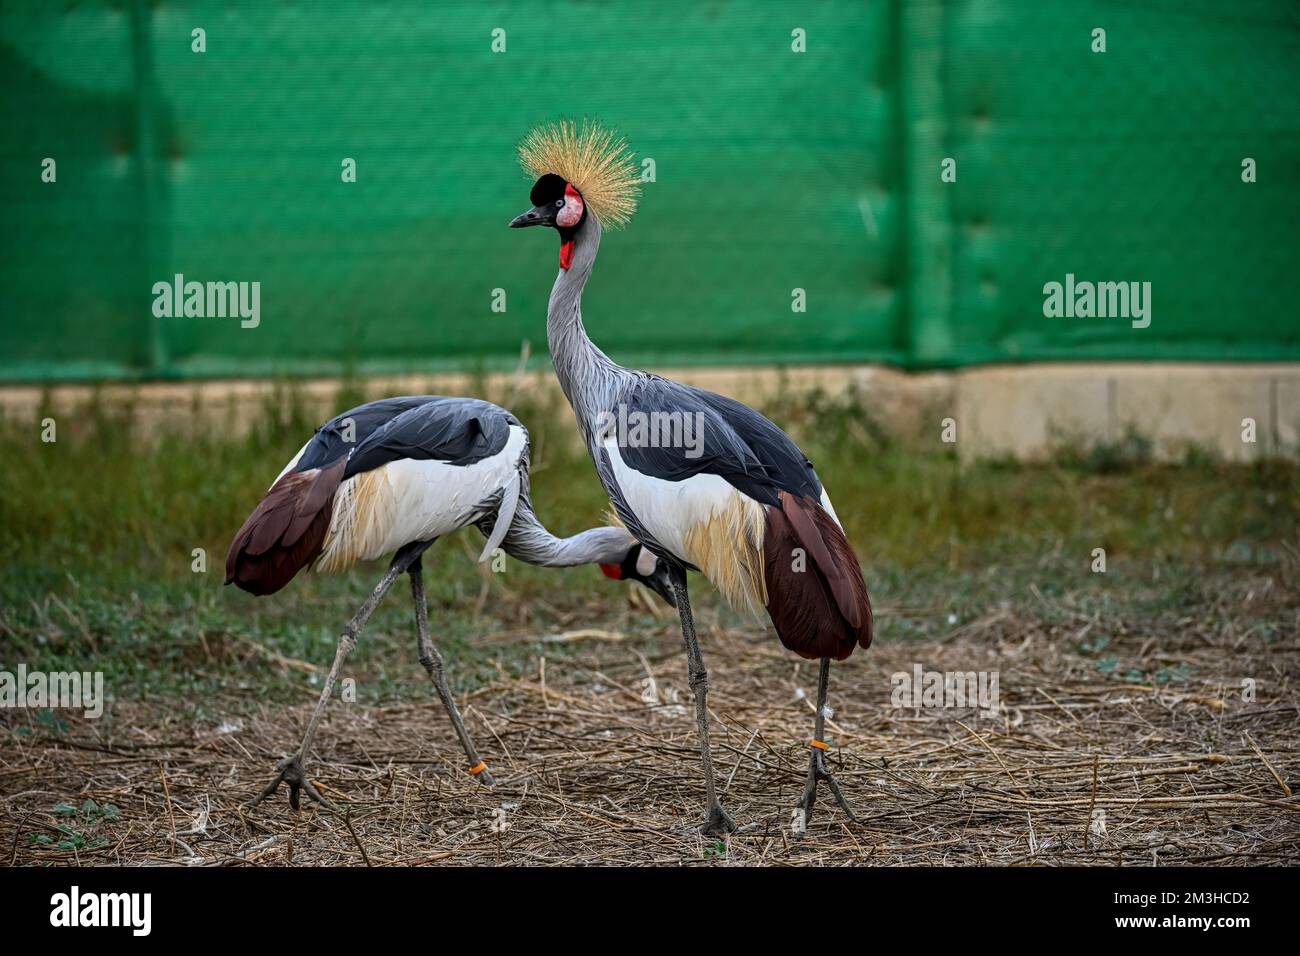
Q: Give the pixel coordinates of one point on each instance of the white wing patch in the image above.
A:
(378, 511)
(293, 462)
(830, 509)
(702, 520)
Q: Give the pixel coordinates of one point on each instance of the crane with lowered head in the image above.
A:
(394, 476)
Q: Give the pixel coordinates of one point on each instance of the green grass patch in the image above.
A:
(98, 532)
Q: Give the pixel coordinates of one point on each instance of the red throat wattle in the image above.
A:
(612, 571)
(569, 217)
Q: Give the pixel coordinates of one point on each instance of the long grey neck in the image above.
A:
(587, 375)
(529, 541)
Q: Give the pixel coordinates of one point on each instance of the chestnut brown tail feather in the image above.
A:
(285, 532)
(817, 600)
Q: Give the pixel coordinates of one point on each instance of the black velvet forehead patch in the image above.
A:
(547, 189)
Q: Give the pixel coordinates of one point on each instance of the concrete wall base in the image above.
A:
(1024, 412)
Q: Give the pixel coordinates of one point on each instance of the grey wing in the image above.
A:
(728, 439)
(339, 436)
(460, 431)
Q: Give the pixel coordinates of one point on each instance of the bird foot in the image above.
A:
(291, 772)
(817, 771)
(717, 822)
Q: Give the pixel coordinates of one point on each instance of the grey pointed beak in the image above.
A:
(534, 217)
(661, 584)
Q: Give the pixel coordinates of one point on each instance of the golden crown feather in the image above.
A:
(595, 159)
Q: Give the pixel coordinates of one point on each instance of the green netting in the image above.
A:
(775, 170)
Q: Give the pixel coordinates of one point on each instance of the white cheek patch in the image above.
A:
(645, 562)
(572, 211)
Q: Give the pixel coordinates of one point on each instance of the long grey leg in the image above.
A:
(432, 662)
(716, 819)
(817, 769)
(290, 768)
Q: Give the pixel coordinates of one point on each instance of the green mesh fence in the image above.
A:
(774, 170)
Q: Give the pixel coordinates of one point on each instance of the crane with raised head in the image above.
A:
(394, 476)
(739, 501)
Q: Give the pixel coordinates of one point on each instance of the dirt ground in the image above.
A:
(596, 760)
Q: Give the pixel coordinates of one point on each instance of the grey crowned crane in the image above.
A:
(739, 502)
(394, 476)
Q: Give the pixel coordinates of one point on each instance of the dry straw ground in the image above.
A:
(597, 761)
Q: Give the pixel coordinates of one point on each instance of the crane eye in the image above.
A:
(559, 203)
